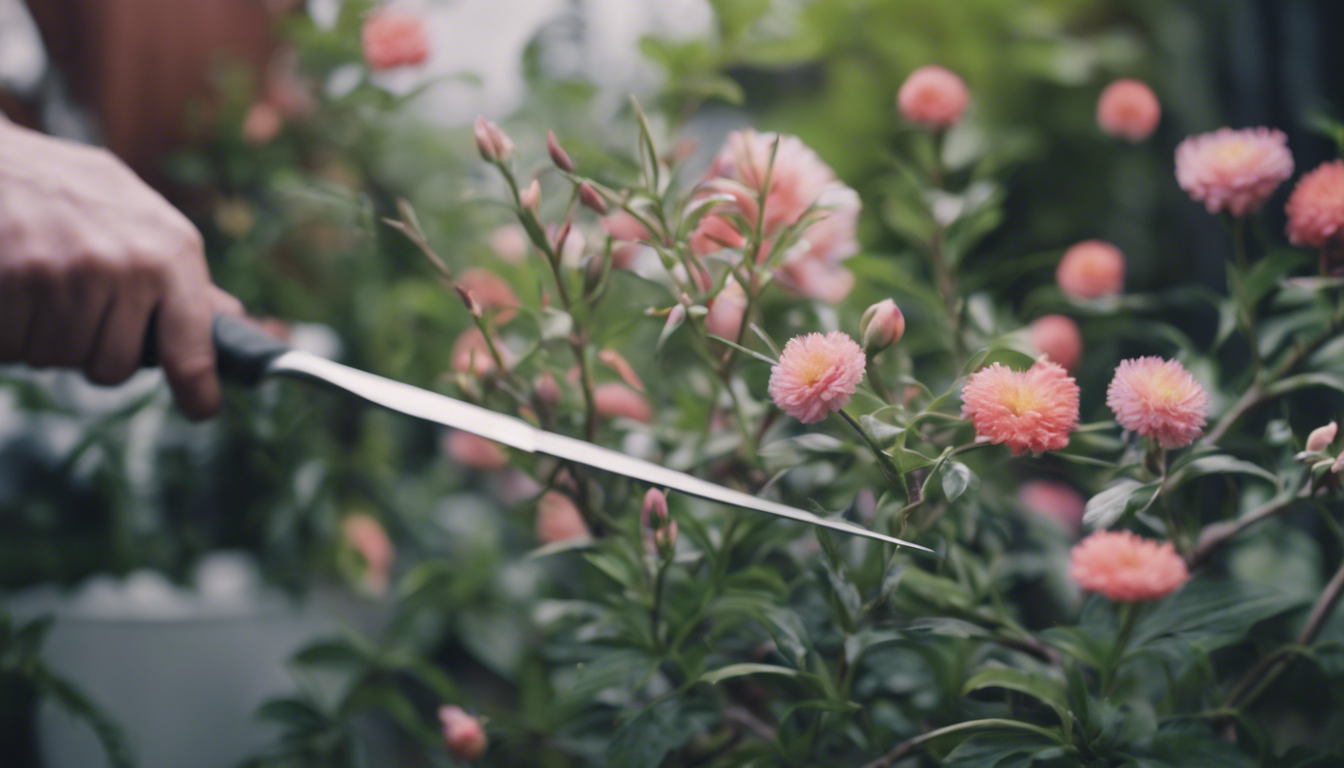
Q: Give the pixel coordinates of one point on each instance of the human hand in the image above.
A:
(88, 254)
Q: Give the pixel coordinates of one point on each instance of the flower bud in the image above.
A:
(1321, 437)
(495, 146)
(463, 735)
(654, 510)
(469, 300)
(547, 389)
(589, 197)
(881, 326)
(558, 154)
(654, 519)
(531, 196)
(613, 360)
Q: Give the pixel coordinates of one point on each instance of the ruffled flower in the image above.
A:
(933, 97)
(1159, 399)
(1128, 109)
(1032, 410)
(394, 39)
(1091, 269)
(1316, 207)
(1233, 171)
(816, 375)
(1058, 338)
(1127, 568)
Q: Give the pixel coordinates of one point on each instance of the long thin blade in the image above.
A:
(518, 434)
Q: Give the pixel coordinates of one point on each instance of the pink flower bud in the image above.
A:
(495, 145)
(469, 301)
(261, 124)
(589, 197)
(474, 451)
(726, 311)
(1091, 269)
(1058, 338)
(1321, 437)
(882, 325)
(547, 389)
(463, 735)
(619, 401)
(613, 360)
(932, 97)
(491, 292)
(558, 154)
(654, 511)
(1129, 110)
(558, 519)
(531, 196)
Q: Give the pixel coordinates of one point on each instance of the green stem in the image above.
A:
(1129, 617)
(1237, 276)
(889, 469)
(905, 747)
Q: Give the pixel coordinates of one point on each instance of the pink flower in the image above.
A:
(1090, 269)
(1058, 338)
(365, 536)
(882, 325)
(394, 39)
(798, 177)
(471, 353)
(932, 97)
(1159, 399)
(1316, 207)
(1129, 110)
(558, 154)
(261, 124)
(714, 234)
(619, 401)
(530, 197)
(1321, 437)
(816, 375)
(463, 735)
(1233, 171)
(1054, 501)
(1032, 410)
(726, 311)
(491, 291)
(817, 279)
(1127, 568)
(626, 233)
(493, 143)
(474, 451)
(558, 519)
(510, 243)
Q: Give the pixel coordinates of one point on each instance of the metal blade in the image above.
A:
(518, 434)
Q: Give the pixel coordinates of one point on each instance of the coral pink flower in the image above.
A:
(1090, 269)
(1233, 171)
(1321, 437)
(882, 325)
(1127, 568)
(816, 375)
(365, 536)
(1054, 501)
(1159, 399)
(1128, 109)
(463, 735)
(726, 311)
(933, 97)
(491, 291)
(1058, 338)
(1032, 410)
(558, 519)
(1316, 207)
(798, 177)
(474, 451)
(261, 124)
(619, 401)
(627, 232)
(471, 354)
(395, 39)
(510, 243)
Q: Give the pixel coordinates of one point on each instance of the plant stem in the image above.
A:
(1129, 617)
(889, 469)
(655, 615)
(905, 747)
(1237, 276)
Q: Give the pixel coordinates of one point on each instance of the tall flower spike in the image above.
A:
(1032, 410)
(816, 375)
(1159, 399)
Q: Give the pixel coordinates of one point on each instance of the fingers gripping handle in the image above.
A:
(243, 350)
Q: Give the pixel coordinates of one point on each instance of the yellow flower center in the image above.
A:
(814, 368)
(1021, 399)
(1230, 153)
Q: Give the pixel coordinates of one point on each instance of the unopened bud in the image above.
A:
(661, 527)
(495, 146)
(665, 539)
(613, 360)
(469, 300)
(531, 196)
(654, 511)
(589, 197)
(463, 735)
(881, 326)
(1321, 437)
(547, 389)
(558, 154)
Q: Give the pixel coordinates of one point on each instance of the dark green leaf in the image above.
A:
(644, 740)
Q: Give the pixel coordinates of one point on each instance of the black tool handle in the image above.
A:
(243, 350)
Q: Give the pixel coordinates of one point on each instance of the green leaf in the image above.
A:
(1219, 465)
(716, 676)
(1045, 689)
(1108, 507)
(956, 478)
(1002, 750)
(908, 461)
(1304, 380)
(644, 740)
(331, 653)
(786, 628)
(1209, 614)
